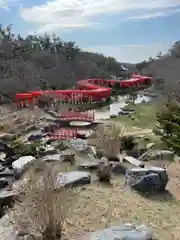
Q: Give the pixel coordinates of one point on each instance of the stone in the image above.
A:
(104, 172)
(9, 151)
(35, 137)
(7, 173)
(73, 178)
(121, 232)
(6, 200)
(51, 158)
(161, 155)
(2, 156)
(152, 179)
(150, 145)
(89, 165)
(117, 168)
(79, 144)
(136, 153)
(2, 168)
(3, 182)
(67, 156)
(9, 160)
(22, 162)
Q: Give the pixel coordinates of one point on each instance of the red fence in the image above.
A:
(88, 115)
(64, 134)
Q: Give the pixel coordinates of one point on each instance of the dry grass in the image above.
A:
(107, 139)
(98, 206)
(18, 120)
(101, 205)
(42, 209)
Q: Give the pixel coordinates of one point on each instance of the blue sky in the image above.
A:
(129, 30)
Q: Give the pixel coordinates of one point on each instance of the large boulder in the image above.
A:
(160, 155)
(89, 165)
(136, 153)
(151, 179)
(73, 178)
(121, 232)
(21, 163)
(118, 168)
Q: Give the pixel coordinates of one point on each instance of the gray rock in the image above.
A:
(121, 232)
(118, 168)
(3, 182)
(7, 173)
(51, 158)
(73, 178)
(161, 155)
(104, 172)
(150, 145)
(6, 200)
(136, 153)
(6, 194)
(89, 165)
(151, 179)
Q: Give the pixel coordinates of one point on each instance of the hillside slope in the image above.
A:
(165, 69)
(35, 62)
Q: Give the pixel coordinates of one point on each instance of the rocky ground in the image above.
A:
(100, 205)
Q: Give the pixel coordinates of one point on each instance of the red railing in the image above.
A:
(88, 115)
(64, 134)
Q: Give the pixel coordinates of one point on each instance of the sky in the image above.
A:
(129, 30)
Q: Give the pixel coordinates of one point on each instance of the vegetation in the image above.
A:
(44, 205)
(168, 126)
(41, 62)
(128, 143)
(144, 116)
(22, 149)
(164, 68)
(108, 140)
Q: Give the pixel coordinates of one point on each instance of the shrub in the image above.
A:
(61, 146)
(108, 140)
(104, 172)
(127, 143)
(42, 209)
(26, 149)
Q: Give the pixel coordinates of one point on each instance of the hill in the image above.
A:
(165, 69)
(36, 62)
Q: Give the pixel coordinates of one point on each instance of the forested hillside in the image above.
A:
(36, 62)
(165, 69)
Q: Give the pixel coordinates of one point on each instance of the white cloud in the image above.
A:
(60, 14)
(154, 14)
(131, 53)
